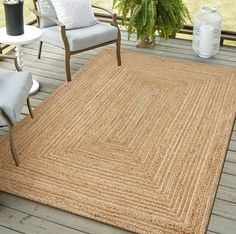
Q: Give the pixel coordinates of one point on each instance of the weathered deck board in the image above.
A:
(228, 180)
(27, 223)
(222, 225)
(231, 156)
(57, 216)
(5, 230)
(226, 194)
(18, 215)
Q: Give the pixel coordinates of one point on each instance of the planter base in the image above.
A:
(146, 45)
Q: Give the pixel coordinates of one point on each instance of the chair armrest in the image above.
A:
(2, 56)
(55, 21)
(58, 23)
(113, 14)
(5, 56)
(104, 9)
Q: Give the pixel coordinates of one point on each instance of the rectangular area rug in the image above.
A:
(140, 146)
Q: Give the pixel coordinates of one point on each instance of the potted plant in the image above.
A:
(145, 17)
(14, 17)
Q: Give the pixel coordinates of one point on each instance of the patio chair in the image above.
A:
(14, 91)
(77, 40)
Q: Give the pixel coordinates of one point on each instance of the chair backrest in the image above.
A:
(45, 7)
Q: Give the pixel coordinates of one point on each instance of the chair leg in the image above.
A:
(40, 49)
(13, 151)
(30, 108)
(118, 55)
(12, 148)
(67, 64)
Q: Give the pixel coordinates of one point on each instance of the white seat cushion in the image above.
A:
(14, 90)
(81, 38)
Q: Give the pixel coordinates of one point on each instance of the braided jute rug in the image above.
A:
(140, 146)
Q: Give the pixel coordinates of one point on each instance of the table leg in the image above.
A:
(19, 55)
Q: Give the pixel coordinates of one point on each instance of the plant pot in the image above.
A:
(145, 42)
(14, 19)
(173, 35)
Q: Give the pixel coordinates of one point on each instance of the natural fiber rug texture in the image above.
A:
(140, 146)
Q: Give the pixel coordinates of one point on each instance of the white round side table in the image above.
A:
(31, 34)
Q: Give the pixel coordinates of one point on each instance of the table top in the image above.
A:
(31, 34)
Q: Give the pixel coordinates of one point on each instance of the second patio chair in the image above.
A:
(14, 91)
(76, 40)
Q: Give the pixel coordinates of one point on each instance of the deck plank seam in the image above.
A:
(38, 217)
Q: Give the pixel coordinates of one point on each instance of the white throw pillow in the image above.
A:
(75, 13)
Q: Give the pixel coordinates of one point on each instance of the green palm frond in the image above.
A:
(147, 16)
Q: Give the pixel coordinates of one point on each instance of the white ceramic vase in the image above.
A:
(207, 32)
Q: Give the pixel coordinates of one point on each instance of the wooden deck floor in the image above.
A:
(18, 215)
